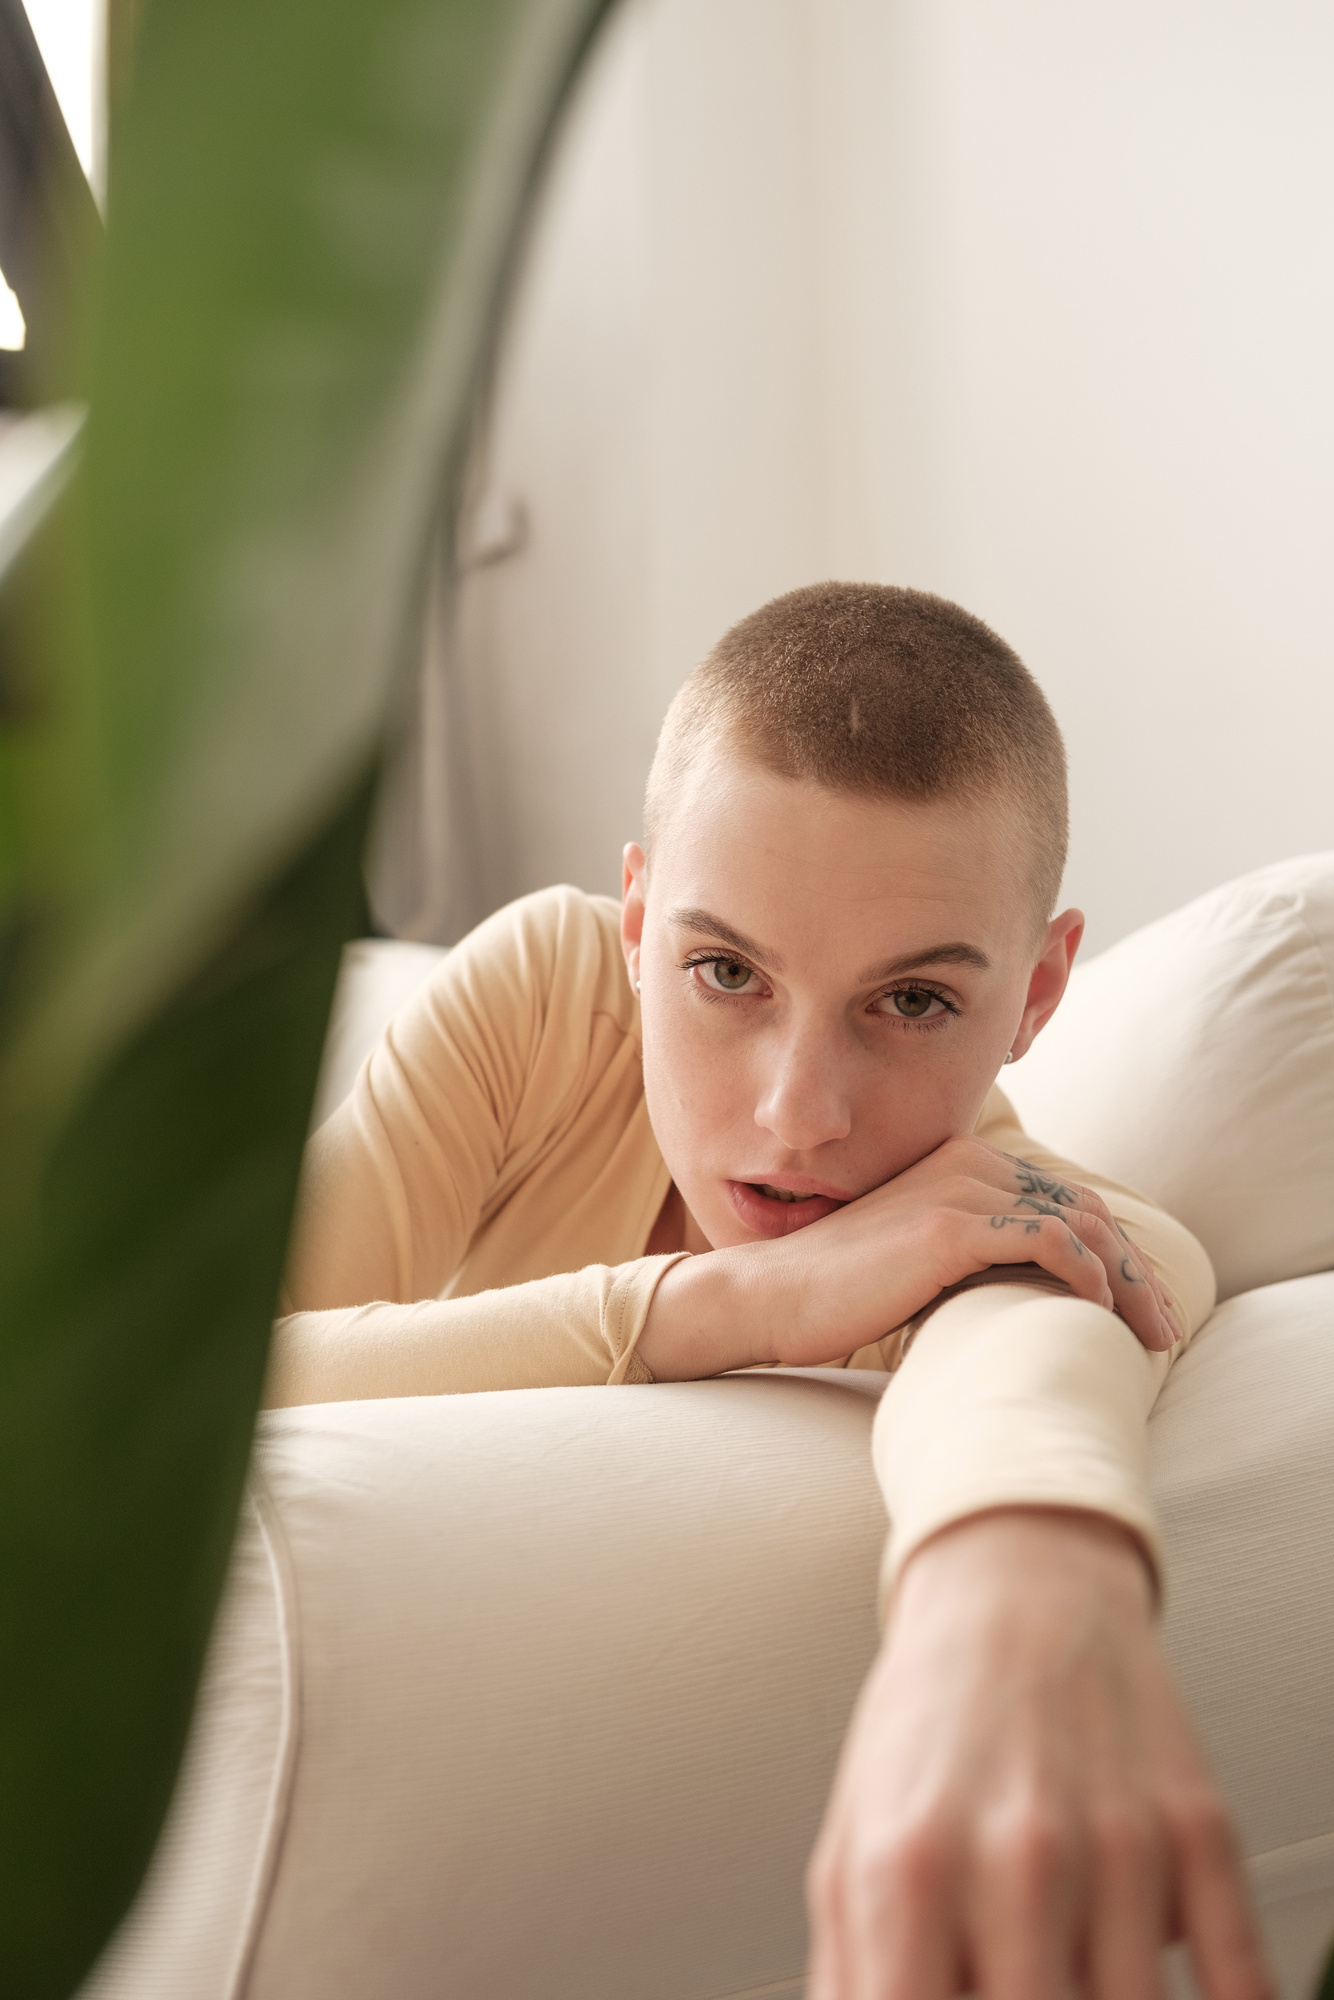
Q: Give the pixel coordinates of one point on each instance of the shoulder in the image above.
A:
(557, 950)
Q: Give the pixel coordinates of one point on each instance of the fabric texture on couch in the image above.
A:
(541, 1693)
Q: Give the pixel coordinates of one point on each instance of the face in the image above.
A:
(829, 986)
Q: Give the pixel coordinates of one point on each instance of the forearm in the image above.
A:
(563, 1332)
(1012, 1398)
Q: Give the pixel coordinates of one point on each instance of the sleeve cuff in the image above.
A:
(627, 1294)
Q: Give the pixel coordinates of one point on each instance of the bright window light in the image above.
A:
(12, 330)
(71, 35)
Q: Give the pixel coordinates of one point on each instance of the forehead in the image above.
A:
(821, 875)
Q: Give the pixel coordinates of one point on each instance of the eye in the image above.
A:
(914, 1003)
(728, 975)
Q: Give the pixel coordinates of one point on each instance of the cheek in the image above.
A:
(910, 1095)
(696, 1089)
(904, 1117)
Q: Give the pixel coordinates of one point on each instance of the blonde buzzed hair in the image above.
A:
(882, 692)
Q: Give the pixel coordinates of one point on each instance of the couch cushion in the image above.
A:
(1195, 1061)
(1241, 1443)
(548, 1686)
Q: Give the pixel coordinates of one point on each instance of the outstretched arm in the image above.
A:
(1022, 1811)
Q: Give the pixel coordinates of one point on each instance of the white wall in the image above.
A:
(1030, 302)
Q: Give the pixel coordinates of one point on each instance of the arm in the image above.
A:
(471, 1084)
(1021, 1805)
(857, 1284)
(559, 1332)
(1021, 1809)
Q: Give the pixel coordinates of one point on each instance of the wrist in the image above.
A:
(707, 1316)
(1021, 1551)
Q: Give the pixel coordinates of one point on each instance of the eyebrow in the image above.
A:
(916, 961)
(694, 919)
(955, 953)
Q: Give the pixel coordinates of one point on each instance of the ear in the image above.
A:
(634, 885)
(1049, 978)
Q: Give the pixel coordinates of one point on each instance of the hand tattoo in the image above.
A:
(1033, 1182)
(1042, 1207)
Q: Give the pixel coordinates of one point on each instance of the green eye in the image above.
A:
(913, 1001)
(730, 974)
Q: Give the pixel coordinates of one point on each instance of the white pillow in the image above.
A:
(1195, 1061)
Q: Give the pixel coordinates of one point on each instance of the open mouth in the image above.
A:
(769, 1210)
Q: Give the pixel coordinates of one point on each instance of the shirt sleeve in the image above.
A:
(1009, 1395)
(559, 1332)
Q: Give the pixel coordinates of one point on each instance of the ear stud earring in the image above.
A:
(637, 989)
(1010, 1056)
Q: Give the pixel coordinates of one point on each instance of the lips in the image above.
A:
(768, 1214)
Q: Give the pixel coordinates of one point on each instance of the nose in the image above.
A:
(803, 1097)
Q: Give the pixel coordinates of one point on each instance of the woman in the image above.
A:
(750, 1120)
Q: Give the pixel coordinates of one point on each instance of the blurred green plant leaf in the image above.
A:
(312, 214)
(1325, 1990)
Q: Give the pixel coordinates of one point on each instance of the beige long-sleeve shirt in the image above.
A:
(475, 1217)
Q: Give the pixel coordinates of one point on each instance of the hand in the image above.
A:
(1148, 1312)
(841, 1283)
(1021, 1810)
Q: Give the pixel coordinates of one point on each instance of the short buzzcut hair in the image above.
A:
(882, 692)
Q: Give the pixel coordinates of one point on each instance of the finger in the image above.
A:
(1148, 1310)
(1135, 1298)
(901, 1940)
(878, 1915)
(1136, 1288)
(1040, 1186)
(1131, 1263)
(977, 1169)
(1143, 1263)
(1128, 1922)
(1049, 1241)
(1024, 1931)
(1215, 1908)
(1048, 1195)
(1136, 1292)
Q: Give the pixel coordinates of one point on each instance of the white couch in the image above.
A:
(538, 1695)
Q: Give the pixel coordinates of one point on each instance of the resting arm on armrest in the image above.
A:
(560, 1332)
